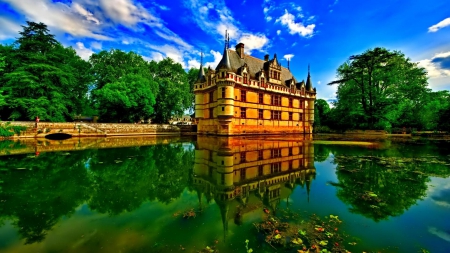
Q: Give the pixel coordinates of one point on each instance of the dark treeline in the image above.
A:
(383, 90)
(41, 77)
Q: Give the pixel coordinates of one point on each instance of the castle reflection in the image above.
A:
(243, 174)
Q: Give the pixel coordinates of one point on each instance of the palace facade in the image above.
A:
(247, 95)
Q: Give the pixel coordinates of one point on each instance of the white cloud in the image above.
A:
(318, 82)
(217, 58)
(268, 18)
(126, 13)
(266, 9)
(288, 56)
(59, 16)
(440, 25)
(88, 15)
(434, 69)
(96, 45)
(193, 63)
(278, 32)
(163, 51)
(82, 51)
(288, 20)
(253, 41)
(9, 28)
(155, 56)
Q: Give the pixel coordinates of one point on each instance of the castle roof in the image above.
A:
(232, 61)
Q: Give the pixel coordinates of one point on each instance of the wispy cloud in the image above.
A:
(288, 20)
(440, 25)
(9, 29)
(437, 66)
(82, 51)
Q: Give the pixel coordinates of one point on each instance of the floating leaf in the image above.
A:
(250, 251)
(302, 232)
(297, 241)
(323, 243)
(278, 236)
(352, 243)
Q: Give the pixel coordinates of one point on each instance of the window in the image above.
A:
(290, 115)
(211, 96)
(260, 114)
(245, 78)
(291, 102)
(262, 81)
(261, 98)
(275, 100)
(275, 115)
(260, 154)
(243, 112)
(211, 113)
(243, 96)
(290, 165)
(260, 170)
(223, 92)
(301, 104)
(274, 153)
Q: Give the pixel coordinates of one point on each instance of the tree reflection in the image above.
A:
(381, 183)
(37, 191)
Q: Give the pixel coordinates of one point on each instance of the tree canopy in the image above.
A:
(376, 88)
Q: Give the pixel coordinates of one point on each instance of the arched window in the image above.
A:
(245, 78)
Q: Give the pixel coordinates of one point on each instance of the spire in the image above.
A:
(201, 72)
(225, 62)
(308, 81)
(288, 64)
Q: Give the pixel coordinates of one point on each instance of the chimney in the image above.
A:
(240, 50)
(266, 57)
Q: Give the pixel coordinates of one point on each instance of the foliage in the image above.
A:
(175, 94)
(321, 111)
(192, 76)
(43, 78)
(8, 130)
(376, 88)
(124, 87)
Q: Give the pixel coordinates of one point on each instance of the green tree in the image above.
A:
(377, 87)
(192, 76)
(175, 94)
(124, 86)
(321, 110)
(43, 78)
(2, 66)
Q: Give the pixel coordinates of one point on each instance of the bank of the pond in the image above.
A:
(82, 129)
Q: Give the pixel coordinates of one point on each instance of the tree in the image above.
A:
(321, 110)
(43, 78)
(174, 95)
(376, 87)
(124, 86)
(192, 76)
(2, 66)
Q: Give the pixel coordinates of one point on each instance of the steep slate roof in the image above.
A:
(255, 65)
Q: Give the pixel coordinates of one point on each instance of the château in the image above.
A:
(247, 95)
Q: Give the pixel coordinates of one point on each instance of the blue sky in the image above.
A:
(322, 33)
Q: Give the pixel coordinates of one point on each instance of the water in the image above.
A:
(178, 195)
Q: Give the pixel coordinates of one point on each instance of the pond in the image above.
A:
(210, 194)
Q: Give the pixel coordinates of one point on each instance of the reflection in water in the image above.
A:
(251, 172)
(383, 184)
(130, 198)
(37, 191)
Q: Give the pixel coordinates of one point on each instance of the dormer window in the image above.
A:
(262, 80)
(245, 78)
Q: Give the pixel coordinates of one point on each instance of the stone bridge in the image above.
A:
(81, 129)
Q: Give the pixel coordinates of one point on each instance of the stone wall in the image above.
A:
(80, 129)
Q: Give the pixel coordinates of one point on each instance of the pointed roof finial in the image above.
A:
(308, 81)
(228, 40)
(308, 69)
(201, 73)
(288, 63)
